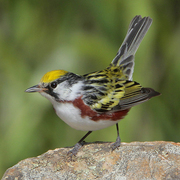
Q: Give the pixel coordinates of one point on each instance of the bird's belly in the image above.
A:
(73, 117)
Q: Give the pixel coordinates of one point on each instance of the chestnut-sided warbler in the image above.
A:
(100, 99)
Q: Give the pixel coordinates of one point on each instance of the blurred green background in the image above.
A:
(37, 36)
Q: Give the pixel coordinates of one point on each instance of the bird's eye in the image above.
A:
(53, 85)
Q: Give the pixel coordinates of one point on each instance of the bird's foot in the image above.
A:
(75, 150)
(116, 144)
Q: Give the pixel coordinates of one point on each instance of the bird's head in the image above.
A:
(49, 85)
(59, 85)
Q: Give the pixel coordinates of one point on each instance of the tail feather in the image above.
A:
(125, 55)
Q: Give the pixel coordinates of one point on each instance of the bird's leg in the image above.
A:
(79, 144)
(118, 140)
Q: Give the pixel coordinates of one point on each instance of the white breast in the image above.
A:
(71, 115)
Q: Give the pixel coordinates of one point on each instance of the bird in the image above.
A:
(102, 98)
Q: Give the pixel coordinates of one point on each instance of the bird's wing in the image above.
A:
(109, 90)
(112, 89)
(125, 55)
(103, 89)
(134, 95)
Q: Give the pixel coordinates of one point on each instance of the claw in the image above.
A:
(118, 140)
(75, 150)
(78, 145)
(116, 144)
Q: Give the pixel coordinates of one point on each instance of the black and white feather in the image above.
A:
(125, 55)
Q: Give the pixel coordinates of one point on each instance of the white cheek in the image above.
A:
(68, 93)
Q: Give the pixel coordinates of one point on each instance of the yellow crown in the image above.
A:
(52, 75)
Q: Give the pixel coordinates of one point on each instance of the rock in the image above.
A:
(136, 160)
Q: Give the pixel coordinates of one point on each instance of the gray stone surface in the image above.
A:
(136, 160)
